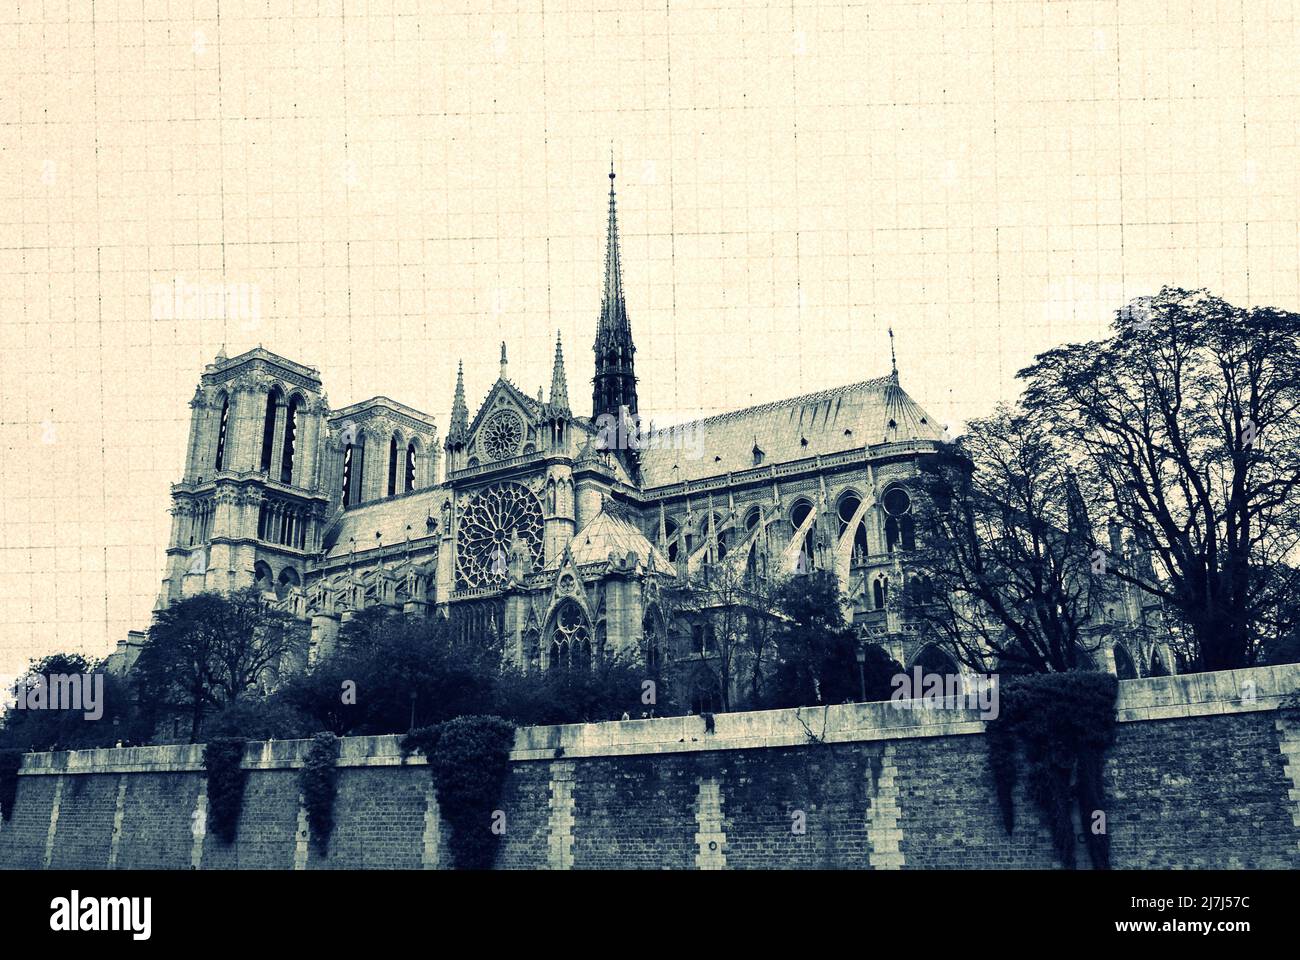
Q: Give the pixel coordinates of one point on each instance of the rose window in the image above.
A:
(489, 525)
(501, 435)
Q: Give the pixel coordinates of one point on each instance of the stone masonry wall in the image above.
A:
(1205, 772)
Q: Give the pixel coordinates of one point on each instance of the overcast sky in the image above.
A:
(391, 189)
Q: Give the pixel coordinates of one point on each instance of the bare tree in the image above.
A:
(1005, 549)
(735, 616)
(1187, 422)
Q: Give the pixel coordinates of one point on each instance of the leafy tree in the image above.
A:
(207, 651)
(614, 685)
(1187, 422)
(817, 648)
(390, 673)
(1006, 549)
(258, 718)
(68, 729)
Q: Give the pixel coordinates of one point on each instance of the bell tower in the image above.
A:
(249, 507)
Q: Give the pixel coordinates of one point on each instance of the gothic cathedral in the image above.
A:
(563, 534)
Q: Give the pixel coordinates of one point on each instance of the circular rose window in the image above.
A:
(501, 435)
(488, 527)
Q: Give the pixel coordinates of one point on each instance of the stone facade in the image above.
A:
(1201, 775)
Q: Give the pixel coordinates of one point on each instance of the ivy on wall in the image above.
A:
(1056, 729)
(318, 782)
(222, 759)
(469, 759)
(10, 762)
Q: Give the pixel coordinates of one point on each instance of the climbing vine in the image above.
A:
(469, 759)
(1056, 729)
(318, 781)
(223, 758)
(10, 762)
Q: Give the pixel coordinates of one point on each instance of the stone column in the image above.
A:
(246, 456)
(198, 420)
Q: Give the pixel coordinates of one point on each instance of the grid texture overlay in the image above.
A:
(379, 188)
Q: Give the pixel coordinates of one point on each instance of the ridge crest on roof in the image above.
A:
(801, 400)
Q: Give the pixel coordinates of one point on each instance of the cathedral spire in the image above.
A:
(612, 304)
(614, 386)
(893, 359)
(559, 401)
(459, 411)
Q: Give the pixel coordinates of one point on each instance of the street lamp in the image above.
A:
(861, 655)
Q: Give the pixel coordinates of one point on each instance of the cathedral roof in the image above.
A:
(389, 518)
(831, 421)
(609, 532)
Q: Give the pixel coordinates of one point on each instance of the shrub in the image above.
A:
(10, 762)
(469, 759)
(318, 781)
(223, 758)
(1060, 726)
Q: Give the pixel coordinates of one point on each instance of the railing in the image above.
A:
(486, 468)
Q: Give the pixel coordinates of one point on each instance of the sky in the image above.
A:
(385, 188)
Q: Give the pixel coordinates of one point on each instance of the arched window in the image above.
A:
(263, 578)
(1158, 668)
(880, 592)
(273, 400)
(921, 589)
(290, 439)
(354, 465)
(1125, 669)
(410, 467)
(348, 456)
(848, 508)
(287, 581)
(934, 659)
(392, 465)
(354, 470)
(570, 643)
(221, 431)
(900, 528)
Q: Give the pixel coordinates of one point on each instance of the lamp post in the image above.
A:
(412, 726)
(861, 655)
